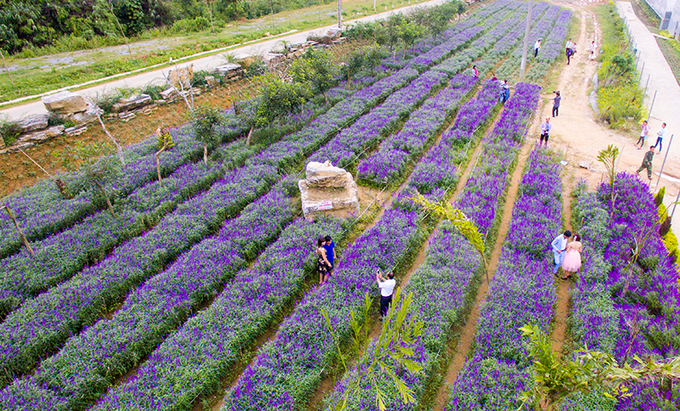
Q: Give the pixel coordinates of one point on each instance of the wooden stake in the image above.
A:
(118, 147)
(38, 165)
(7, 68)
(16, 225)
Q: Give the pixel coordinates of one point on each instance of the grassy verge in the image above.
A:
(671, 51)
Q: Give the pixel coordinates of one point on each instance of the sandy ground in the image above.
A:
(578, 134)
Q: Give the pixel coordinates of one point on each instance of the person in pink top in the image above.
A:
(644, 131)
(572, 257)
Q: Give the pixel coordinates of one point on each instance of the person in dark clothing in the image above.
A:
(322, 263)
(647, 163)
(556, 104)
(386, 290)
(329, 246)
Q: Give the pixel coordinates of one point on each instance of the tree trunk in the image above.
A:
(8, 73)
(205, 154)
(63, 189)
(106, 197)
(158, 162)
(325, 97)
(212, 26)
(119, 149)
(21, 233)
(250, 133)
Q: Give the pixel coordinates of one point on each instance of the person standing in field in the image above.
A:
(322, 263)
(474, 71)
(505, 92)
(386, 290)
(568, 50)
(556, 104)
(647, 163)
(572, 257)
(559, 245)
(644, 131)
(329, 246)
(545, 132)
(659, 137)
(537, 47)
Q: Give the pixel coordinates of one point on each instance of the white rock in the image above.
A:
(325, 175)
(64, 102)
(34, 122)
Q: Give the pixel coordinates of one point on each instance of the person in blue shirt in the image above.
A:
(329, 245)
(559, 246)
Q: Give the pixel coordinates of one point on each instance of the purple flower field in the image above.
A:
(522, 292)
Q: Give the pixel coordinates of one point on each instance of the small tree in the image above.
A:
(205, 120)
(400, 331)
(97, 169)
(277, 98)
(409, 32)
(556, 378)
(164, 142)
(316, 69)
(609, 157)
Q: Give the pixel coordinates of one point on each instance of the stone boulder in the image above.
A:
(64, 102)
(169, 94)
(131, 103)
(86, 117)
(328, 189)
(33, 123)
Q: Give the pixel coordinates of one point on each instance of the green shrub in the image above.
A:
(9, 131)
(617, 103)
(194, 25)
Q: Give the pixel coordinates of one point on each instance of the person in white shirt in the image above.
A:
(386, 289)
(659, 137)
(559, 245)
(593, 48)
(644, 130)
(537, 47)
(545, 132)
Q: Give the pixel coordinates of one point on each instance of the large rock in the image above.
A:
(318, 199)
(325, 175)
(64, 102)
(34, 122)
(131, 103)
(328, 189)
(169, 94)
(88, 116)
(229, 70)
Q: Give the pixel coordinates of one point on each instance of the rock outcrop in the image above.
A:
(64, 103)
(328, 189)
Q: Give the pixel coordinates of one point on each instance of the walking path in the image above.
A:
(661, 81)
(123, 80)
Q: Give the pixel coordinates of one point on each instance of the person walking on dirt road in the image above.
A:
(659, 137)
(545, 132)
(647, 163)
(644, 130)
(556, 104)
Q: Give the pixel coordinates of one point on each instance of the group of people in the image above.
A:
(503, 88)
(649, 156)
(567, 255)
(325, 263)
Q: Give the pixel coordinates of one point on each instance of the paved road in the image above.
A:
(661, 80)
(205, 63)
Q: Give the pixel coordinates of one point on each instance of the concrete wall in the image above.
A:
(669, 13)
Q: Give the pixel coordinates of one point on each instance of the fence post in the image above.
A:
(664, 162)
(649, 114)
(645, 93)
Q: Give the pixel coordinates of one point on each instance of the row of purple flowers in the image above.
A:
(522, 292)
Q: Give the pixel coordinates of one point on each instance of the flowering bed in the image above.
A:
(394, 153)
(442, 288)
(157, 308)
(522, 292)
(210, 343)
(499, 153)
(605, 312)
(288, 369)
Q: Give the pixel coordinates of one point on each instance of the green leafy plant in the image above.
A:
(608, 158)
(393, 348)
(590, 371)
(458, 219)
(316, 69)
